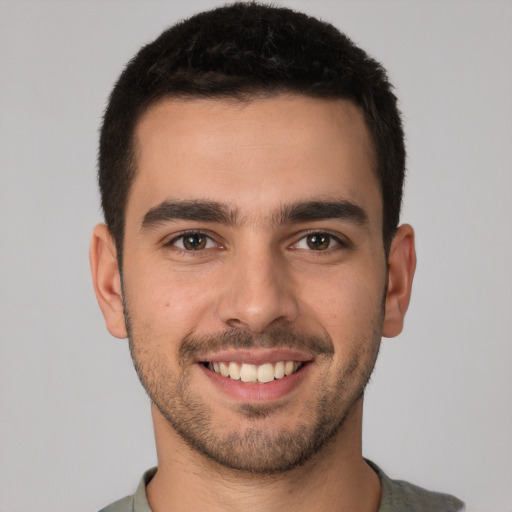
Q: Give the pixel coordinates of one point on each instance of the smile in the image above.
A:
(256, 375)
(251, 373)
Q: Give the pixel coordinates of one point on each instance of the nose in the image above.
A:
(258, 293)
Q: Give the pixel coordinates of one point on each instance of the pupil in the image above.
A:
(318, 242)
(194, 242)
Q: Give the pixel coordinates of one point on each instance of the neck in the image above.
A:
(338, 474)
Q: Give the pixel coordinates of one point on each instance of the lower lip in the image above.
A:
(254, 391)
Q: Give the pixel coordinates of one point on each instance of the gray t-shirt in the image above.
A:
(396, 496)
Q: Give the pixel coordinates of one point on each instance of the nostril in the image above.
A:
(253, 301)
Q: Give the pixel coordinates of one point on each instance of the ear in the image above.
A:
(401, 267)
(107, 280)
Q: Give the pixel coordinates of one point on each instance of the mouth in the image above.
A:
(256, 376)
(253, 373)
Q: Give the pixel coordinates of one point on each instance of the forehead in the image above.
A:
(255, 155)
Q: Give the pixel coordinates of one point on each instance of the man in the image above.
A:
(251, 169)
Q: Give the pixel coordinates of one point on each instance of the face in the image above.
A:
(254, 274)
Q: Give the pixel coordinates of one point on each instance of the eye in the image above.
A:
(318, 242)
(192, 242)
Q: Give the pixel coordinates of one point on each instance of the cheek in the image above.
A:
(346, 304)
(351, 314)
(170, 304)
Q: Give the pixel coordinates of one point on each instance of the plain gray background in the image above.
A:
(75, 423)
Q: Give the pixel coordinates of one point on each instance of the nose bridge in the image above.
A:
(259, 291)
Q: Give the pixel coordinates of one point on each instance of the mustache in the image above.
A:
(194, 345)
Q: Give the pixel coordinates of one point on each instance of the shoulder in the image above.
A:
(400, 496)
(122, 505)
(405, 496)
(138, 502)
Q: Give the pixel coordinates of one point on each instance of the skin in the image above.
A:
(256, 275)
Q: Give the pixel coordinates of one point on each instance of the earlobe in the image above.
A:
(401, 267)
(107, 280)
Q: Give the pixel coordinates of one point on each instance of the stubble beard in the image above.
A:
(257, 448)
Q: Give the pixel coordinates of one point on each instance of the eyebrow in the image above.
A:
(219, 213)
(322, 210)
(201, 211)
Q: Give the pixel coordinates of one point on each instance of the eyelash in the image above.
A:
(191, 233)
(339, 242)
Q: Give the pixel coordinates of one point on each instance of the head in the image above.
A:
(242, 52)
(251, 168)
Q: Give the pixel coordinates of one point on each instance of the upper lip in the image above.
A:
(256, 356)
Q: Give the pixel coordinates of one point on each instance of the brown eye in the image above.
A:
(318, 241)
(194, 242)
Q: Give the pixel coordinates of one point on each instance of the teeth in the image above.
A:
(245, 372)
(266, 372)
(234, 371)
(224, 369)
(248, 373)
